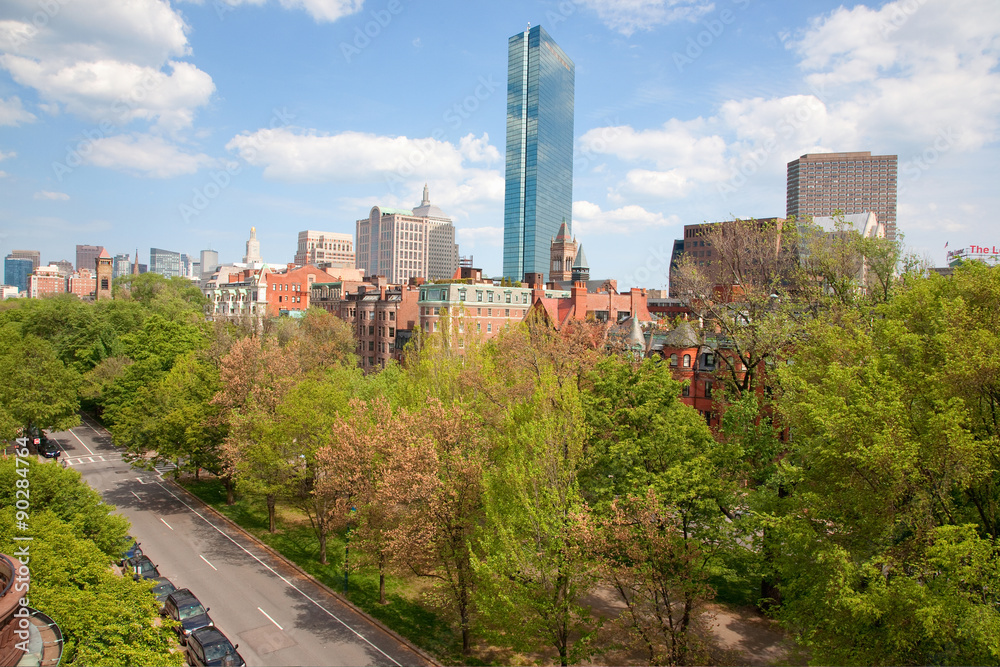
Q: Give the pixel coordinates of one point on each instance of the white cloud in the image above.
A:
(310, 157)
(112, 61)
(12, 113)
(55, 196)
(325, 10)
(117, 92)
(589, 219)
(145, 155)
(5, 156)
(628, 16)
(4, 174)
(485, 237)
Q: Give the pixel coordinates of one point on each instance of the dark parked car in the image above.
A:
(184, 607)
(131, 551)
(162, 587)
(49, 448)
(142, 568)
(210, 647)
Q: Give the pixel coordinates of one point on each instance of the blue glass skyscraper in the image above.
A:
(539, 172)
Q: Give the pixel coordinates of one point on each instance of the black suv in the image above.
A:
(210, 647)
(184, 607)
(142, 568)
(162, 587)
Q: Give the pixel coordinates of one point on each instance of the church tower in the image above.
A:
(253, 258)
(104, 271)
(562, 251)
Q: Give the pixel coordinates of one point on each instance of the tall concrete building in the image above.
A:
(86, 256)
(253, 258)
(209, 263)
(820, 184)
(326, 250)
(401, 244)
(539, 164)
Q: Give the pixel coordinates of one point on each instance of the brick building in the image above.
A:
(288, 290)
(83, 283)
(46, 280)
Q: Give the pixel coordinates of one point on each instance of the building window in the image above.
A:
(673, 361)
(461, 295)
(489, 297)
(479, 295)
(686, 391)
(392, 316)
(392, 332)
(371, 346)
(708, 390)
(687, 361)
(371, 331)
(489, 327)
(506, 312)
(508, 297)
(489, 312)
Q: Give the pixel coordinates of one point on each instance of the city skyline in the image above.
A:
(685, 112)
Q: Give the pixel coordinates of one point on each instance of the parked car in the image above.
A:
(162, 587)
(184, 607)
(131, 551)
(142, 568)
(49, 448)
(210, 647)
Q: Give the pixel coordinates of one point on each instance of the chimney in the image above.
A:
(579, 295)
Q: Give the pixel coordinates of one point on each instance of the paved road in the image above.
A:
(277, 616)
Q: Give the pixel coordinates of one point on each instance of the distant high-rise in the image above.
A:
(820, 184)
(86, 256)
(33, 255)
(209, 263)
(165, 262)
(121, 266)
(325, 250)
(253, 249)
(16, 271)
(539, 168)
(401, 244)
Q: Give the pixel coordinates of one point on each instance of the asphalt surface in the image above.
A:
(276, 615)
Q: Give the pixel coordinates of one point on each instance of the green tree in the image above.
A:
(38, 389)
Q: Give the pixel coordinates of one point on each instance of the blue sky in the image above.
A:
(180, 125)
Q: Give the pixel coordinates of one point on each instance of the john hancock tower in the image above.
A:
(539, 173)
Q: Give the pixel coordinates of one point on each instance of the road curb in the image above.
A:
(347, 603)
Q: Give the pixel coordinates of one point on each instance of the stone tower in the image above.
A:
(562, 251)
(104, 271)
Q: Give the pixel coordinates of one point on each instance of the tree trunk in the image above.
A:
(381, 587)
(230, 495)
(272, 526)
(322, 545)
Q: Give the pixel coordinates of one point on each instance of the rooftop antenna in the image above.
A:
(529, 27)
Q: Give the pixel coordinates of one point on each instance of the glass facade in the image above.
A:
(539, 169)
(165, 262)
(16, 271)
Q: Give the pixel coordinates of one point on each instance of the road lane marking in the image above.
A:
(166, 524)
(81, 442)
(136, 495)
(213, 567)
(270, 619)
(279, 576)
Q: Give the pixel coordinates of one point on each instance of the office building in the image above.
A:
(34, 255)
(539, 165)
(66, 267)
(83, 283)
(16, 271)
(165, 262)
(326, 250)
(820, 184)
(86, 256)
(121, 266)
(401, 244)
(209, 264)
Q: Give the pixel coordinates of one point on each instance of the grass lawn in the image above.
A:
(296, 541)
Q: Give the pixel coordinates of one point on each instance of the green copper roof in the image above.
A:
(395, 211)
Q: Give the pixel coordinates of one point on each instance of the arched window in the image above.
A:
(673, 361)
(687, 361)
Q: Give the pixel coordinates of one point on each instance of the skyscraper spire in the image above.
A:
(427, 198)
